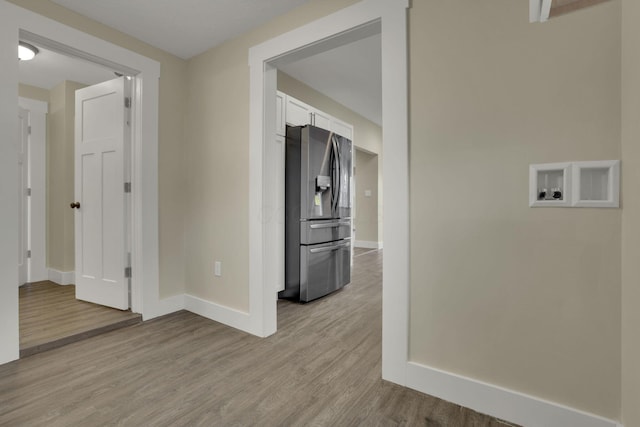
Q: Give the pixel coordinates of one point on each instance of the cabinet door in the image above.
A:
(298, 113)
(280, 113)
(321, 120)
(341, 128)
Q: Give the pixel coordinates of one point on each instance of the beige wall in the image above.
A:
(367, 136)
(33, 92)
(60, 172)
(524, 298)
(366, 218)
(218, 160)
(171, 137)
(631, 213)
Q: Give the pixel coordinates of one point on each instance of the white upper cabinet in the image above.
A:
(341, 128)
(321, 120)
(293, 112)
(297, 112)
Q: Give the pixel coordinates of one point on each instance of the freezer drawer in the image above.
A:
(313, 232)
(324, 268)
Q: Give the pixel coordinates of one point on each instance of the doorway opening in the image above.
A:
(321, 35)
(369, 201)
(15, 22)
(54, 309)
(329, 90)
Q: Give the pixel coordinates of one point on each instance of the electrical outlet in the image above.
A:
(218, 268)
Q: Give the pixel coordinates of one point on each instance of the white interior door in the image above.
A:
(37, 207)
(23, 182)
(101, 134)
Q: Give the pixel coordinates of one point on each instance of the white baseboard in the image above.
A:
(367, 245)
(62, 277)
(163, 306)
(228, 316)
(499, 402)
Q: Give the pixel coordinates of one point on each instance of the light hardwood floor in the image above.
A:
(50, 317)
(322, 368)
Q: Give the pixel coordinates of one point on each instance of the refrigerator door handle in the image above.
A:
(332, 225)
(330, 248)
(335, 189)
(337, 166)
(339, 163)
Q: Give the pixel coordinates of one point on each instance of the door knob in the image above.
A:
(75, 205)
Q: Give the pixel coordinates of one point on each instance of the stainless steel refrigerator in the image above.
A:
(318, 213)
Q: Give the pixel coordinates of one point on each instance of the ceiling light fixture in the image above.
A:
(26, 51)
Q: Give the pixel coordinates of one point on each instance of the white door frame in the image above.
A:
(14, 19)
(37, 182)
(306, 40)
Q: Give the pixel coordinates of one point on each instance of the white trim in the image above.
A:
(497, 401)
(535, 7)
(315, 37)
(219, 313)
(145, 283)
(165, 306)
(63, 278)
(395, 159)
(545, 10)
(539, 10)
(67, 50)
(9, 336)
(367, 245)
(145, 252)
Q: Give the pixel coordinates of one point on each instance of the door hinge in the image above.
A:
(127, 272)
(29, 254)
(127, 187)
(28, 192)
(29, 130)
(127, 102)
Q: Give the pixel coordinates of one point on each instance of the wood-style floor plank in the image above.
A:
(50, 317)
(322, 368)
